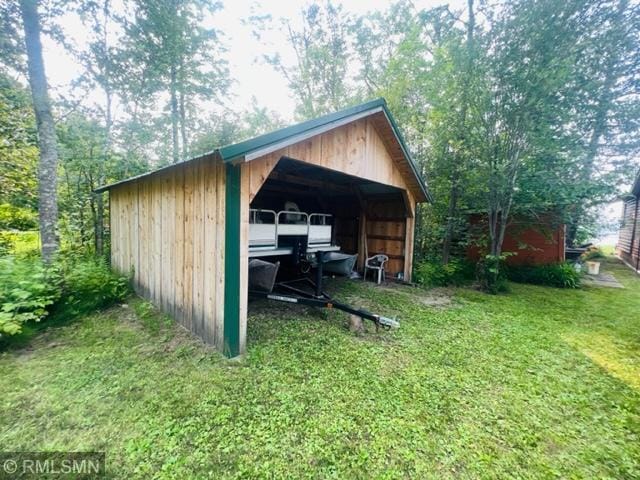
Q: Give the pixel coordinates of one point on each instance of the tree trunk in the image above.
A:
(99, 224)
(47, 169)
(183, 127)
(174, 114)
(453, 205)
(99, 217)
(455, 174)
(99, 198)
(182, 110)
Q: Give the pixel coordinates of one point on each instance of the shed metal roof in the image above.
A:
(260, 145)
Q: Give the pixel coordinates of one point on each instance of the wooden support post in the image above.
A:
(363, 251)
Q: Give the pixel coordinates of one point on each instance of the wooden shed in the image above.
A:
(183, 230)
(628, 247)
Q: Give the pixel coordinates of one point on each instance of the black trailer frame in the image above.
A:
(319, 298)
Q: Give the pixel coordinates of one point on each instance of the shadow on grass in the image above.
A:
(61, 316)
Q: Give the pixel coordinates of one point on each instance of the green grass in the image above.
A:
(537, 383)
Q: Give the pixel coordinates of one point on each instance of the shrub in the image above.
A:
(433, 273)
(491, 275)
(17, 218)
(561, 275)
(19, 243)
(27, 291)
(6, 243)
(89, 284)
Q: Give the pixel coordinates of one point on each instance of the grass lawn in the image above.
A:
(537, 383)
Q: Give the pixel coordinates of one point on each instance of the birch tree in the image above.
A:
(47, 169)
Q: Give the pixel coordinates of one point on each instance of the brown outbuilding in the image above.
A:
(183, 230)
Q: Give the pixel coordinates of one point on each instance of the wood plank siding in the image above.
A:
(182, 232)
(168, 231)
(357, 149)
(628, 248)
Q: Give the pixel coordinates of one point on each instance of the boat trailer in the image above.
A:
(286, 292)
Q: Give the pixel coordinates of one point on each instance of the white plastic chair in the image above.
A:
(376, 263)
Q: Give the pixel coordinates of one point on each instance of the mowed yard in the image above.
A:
(537, 383)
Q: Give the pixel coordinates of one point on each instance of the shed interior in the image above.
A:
(367, 217)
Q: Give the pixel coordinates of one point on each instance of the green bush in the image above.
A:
(89, 284)
(561, 275)
(17, 218)
(27, 292)
(6, 243)
(433, 273)
(19, 243)
(491, 273)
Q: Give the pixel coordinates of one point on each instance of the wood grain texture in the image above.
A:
(219, 254)
(169, 229)
(355, 149)
(365, 149)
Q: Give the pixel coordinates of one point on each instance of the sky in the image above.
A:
(253, 79)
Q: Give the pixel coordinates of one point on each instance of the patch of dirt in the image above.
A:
(126, 315)
(435, 297)
(439, 298)
(46, 339)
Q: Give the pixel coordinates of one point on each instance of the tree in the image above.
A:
(419, 60)
(526, 104)
(458, 145)
(180, 57)
(100, 64)
(18, 146)
(11, 42)
(83, 168)
(47, 169)
(610, 66)
(319, 78)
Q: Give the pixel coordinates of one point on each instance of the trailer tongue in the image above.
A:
(295, 292)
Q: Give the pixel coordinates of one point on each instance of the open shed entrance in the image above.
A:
(338, 212)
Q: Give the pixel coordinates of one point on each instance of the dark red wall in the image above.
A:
(535, 242)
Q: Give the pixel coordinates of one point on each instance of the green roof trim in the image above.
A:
(241, 149)
(407, 154)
